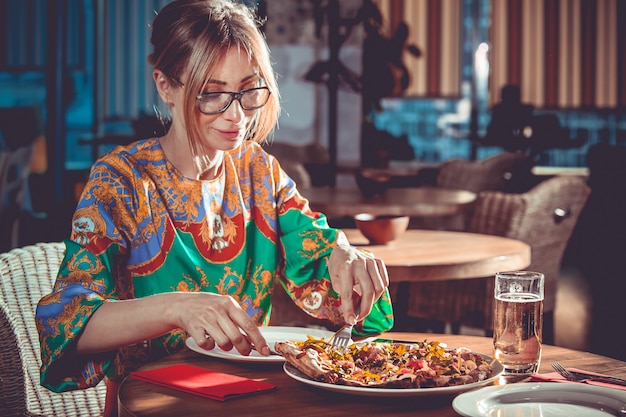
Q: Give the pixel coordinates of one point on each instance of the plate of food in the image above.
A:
(390, 369)
(272, 335)
(547, 399)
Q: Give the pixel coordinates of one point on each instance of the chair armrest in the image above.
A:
(12, 387)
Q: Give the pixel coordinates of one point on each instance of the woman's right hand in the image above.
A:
(213, 319)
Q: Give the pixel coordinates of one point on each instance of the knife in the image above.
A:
(600, 378)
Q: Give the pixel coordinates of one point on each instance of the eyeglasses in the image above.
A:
(218, 101)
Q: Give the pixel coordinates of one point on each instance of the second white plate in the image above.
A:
(272, 334)
(546, 399)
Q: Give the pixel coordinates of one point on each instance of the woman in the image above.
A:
(182, 236)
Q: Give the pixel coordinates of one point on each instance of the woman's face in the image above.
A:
(227, 130)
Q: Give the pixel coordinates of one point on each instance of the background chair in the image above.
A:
(14, 173)
(506, 171)
(544, 217)
(26, 274)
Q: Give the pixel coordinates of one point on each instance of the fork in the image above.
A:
(577, 377)
(342, 337)
(565, 373)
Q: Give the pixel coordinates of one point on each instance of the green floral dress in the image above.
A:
(142, 228)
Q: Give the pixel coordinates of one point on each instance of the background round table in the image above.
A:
(434, 255)
(412, 201)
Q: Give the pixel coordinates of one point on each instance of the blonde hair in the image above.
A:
(196, 35)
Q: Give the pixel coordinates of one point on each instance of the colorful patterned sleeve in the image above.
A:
(62, 315)
(307, 241)
(84, 282)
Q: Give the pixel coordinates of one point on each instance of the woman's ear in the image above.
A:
(163, 86)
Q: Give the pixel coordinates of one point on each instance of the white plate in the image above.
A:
(295, 373)
(546, 399)
(272, 334)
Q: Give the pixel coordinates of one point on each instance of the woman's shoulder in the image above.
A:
(126, 168)
(139, 152)
(139, 149)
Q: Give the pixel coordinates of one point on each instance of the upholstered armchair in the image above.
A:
(506, 171)
(544, 217)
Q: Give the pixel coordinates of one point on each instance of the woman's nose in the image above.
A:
(234, 112)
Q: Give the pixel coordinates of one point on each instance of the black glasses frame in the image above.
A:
(233, 96)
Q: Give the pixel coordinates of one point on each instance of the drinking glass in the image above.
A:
(518, 321)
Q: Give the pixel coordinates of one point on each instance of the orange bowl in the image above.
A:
(381, 229)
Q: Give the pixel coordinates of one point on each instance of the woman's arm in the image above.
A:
(211, 319)
(316, 254)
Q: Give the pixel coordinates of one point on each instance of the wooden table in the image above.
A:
(293, 398)
(435, 255)
(344, 201)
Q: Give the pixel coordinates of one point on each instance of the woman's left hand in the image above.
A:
(353, 271)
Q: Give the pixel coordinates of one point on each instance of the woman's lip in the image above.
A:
(230, 134)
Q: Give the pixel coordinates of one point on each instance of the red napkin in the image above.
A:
(556, 377)
(203, 382)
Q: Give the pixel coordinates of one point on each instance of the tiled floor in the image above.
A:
(573, 311)
(592, 323)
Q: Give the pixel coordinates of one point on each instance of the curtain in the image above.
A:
(561, 53)
(23, 34)
(435, 27)
(125, 86)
